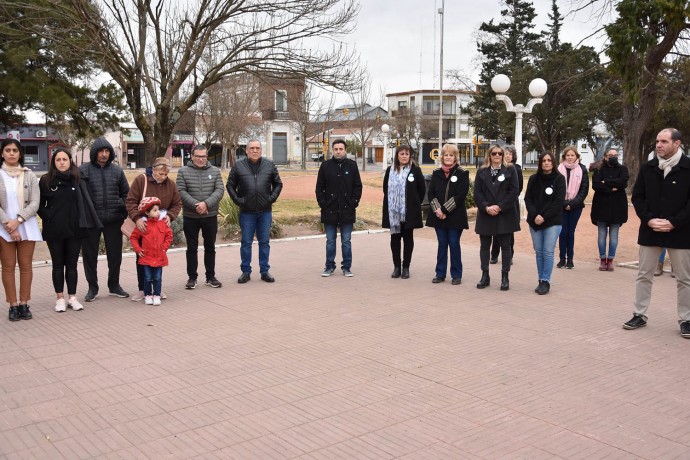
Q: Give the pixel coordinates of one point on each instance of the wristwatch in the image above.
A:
(20, 219)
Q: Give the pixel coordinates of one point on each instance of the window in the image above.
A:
(281, 101)
(31, 155)
(402, 105)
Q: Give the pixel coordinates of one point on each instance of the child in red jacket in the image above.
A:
(155, 242)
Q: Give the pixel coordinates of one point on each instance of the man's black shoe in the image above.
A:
(636, 322)
(119, 292)
(543, 288)
(561, 263)
(569, 264)
(456, 281)
(267, 277)
(213, 282)
(438, 279)
(91, 295)
(244, 277)
(685, 329)
(191, 284)
(494, 260)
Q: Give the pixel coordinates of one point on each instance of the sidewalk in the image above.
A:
(363, 367)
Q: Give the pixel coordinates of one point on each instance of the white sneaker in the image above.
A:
(74, 303)
(156, 300)
(60, 305)
(138, 297)
(148, 300)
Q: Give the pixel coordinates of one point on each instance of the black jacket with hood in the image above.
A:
(107, 184)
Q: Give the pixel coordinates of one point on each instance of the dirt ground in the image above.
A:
(301, 186)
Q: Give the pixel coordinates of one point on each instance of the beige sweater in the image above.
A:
(32, 198)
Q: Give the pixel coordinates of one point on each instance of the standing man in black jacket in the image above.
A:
(254, 185)
(661, 197)
(201, 189)
(338, 191)
(108, 187)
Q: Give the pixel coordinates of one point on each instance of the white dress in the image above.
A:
(29, 229)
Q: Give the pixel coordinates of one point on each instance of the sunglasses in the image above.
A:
(496, 154)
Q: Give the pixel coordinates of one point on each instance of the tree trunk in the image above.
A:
(636, 117)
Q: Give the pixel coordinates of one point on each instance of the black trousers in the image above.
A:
(112, 235)
(503, 241)
(496, 247)
(209, 229)
(65, 254)
(405, 236)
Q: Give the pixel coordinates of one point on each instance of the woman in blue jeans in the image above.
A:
(448, 215)
(576, 189)
(609, 205)
(544, 201)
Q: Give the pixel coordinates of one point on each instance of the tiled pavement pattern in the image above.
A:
(364, 367)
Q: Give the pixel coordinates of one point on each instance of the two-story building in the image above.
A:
(39, 143)
(415, 118)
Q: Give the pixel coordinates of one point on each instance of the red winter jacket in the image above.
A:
(155, 242)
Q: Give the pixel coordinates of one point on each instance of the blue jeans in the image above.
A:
(612, 230)
(448, 239)
(345, 245)
(544, 243)
(258, 223)
(566, 240)
(152, 276)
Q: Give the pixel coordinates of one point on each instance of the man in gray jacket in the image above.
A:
(201, 188)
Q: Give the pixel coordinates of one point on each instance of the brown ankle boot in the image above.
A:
(609, 265)
(602, 265)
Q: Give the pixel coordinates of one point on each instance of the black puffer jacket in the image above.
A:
(107, 185)
(338, 191)
(254, 192)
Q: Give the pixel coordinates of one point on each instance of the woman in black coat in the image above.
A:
(67, 213)
(509, 156)
(609, 205)
(448, 215)
(495, 192)
(403, 192)
(544, 201)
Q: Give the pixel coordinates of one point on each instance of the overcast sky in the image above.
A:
(398, 39)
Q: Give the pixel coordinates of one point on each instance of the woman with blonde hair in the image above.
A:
(495, 192)
(448, 215)
(576, 189)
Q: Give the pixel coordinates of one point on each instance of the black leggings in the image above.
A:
(65, 254)
(502, 241)
(405, 236)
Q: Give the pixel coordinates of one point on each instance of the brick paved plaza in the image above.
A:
(363, 367)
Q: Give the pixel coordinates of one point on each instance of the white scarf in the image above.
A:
(667, 164)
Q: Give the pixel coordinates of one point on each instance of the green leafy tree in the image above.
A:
(36, 73)
(506, 47)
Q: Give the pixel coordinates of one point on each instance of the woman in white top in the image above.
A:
(19, 200)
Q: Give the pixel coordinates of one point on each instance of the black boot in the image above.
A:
(14, 314)
(485, 281)
(24, 312)
(405, 273)
(505, 284)
(396, 273)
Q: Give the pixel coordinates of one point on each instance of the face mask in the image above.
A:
(613, 161)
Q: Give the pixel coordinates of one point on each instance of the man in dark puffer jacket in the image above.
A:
(108, 187)
(254, 185)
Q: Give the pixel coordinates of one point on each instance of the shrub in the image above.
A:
(228, 217)
(469, 199)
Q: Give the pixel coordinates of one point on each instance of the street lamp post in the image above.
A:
(537, 89)
(385, 129)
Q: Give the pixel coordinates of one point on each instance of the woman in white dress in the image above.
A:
(19, 200)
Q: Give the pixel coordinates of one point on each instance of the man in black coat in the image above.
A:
(254, 185)
(661, 197)
(338, 191)
(108, 187)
